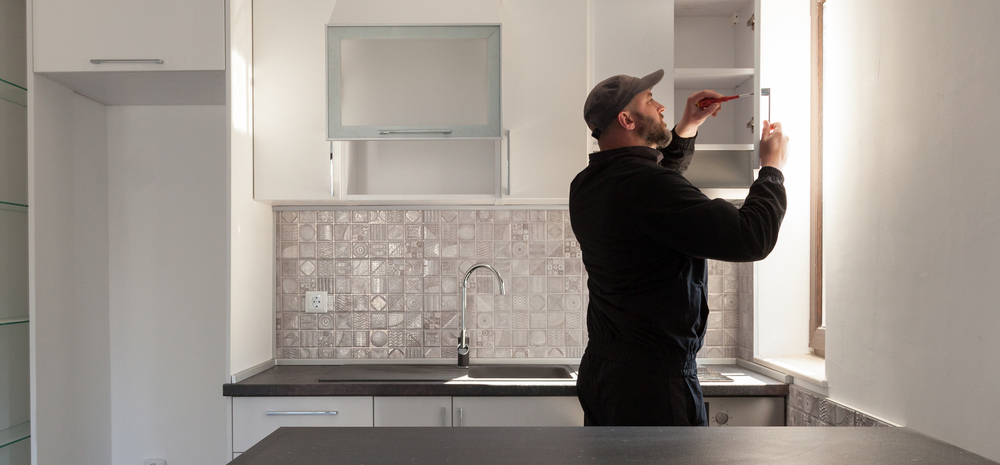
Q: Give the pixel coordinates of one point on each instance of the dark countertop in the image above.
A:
(303, 380)
(593, 445)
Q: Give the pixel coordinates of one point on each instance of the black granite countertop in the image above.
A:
(304, 380)
(594, 445)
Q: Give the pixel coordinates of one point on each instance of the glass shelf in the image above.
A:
(13, 93)
(13, 321)
(15, 434)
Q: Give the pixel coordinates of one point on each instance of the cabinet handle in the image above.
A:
(508, 161)
(271, 412)
(385, 132)
(444, 416)
(331, 169)
(461, 417)
(155, 61)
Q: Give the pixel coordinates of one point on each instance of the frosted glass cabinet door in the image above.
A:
(408, 82)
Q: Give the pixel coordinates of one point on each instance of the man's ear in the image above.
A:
(625, 121)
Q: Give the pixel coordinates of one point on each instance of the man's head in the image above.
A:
(626, 103)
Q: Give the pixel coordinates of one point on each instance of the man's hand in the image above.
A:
(694, 116)
(773, 146)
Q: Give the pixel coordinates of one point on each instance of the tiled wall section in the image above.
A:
(394, 277)
(806, 408)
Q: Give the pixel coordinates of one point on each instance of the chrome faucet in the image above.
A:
(463, 337)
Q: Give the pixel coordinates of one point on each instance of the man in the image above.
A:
(646, 233)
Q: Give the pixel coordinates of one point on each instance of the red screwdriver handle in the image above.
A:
(705, 103)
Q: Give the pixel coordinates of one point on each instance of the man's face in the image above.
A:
(649, 123)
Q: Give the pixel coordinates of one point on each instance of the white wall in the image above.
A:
(169, 235)
(251, 324)
(913, 214)
(68, 265)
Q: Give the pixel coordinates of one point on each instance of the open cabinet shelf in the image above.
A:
(715, 48)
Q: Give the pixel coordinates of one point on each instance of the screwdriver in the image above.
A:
(705, 103)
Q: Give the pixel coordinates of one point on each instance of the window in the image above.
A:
(817, 321)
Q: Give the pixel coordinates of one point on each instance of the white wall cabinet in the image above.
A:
(256, 417)
(187, 37)
(544, 83)
(545, 63)
(413, 411)
(716, 47)
(516, 411)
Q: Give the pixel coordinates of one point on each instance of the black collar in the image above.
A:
(647, 153)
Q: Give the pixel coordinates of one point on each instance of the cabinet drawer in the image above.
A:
(516, 411)
(256, 417)
(413, 411)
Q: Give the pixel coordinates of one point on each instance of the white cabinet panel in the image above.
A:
(186, 34)
(188, 37)
(14, 149)
(256, 417)
(516, 411)
(413, 411)
(544, 87)
(745, 411)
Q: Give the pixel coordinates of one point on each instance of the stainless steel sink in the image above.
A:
(520, 372)
(431, 373)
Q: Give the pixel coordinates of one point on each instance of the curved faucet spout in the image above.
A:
(463, 338)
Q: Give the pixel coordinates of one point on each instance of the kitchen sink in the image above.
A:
(520, 372)
(440, 373)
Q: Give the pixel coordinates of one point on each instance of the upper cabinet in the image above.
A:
(123, 52)
(465, 103)
(410, 82)
(716, 47)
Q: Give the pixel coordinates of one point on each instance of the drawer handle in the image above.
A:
(385, 132)
(334, 412)
(155, 61)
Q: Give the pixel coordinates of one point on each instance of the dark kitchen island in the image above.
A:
(578, 445)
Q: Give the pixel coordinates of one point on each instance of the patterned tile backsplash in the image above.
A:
(393, 277)
(806, 408)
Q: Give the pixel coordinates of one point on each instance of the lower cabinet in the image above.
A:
(516, 411)
(413, 411)
(256, 417)
(745, 411)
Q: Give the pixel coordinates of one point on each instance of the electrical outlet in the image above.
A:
(154, 462)
(316, 302)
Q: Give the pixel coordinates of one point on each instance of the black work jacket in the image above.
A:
(645, 233)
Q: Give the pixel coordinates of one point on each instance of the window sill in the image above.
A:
(808, 371)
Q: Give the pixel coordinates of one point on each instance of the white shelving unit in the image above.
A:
(715, 47)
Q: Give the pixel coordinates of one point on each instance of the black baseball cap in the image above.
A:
(611, 96)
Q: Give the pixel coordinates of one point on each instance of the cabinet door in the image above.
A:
(185, 34)
(516, 411)
(256, 417)
(745, 411)
(291, 153)
(413, 411)
(544, 88)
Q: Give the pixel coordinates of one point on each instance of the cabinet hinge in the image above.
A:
(752, 23)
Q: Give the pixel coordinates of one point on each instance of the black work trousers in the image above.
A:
(615, 394)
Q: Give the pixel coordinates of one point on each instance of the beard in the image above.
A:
(653, 131)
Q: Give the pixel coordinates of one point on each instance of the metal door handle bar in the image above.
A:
(333, 412)
(155, 61)
(385, 132)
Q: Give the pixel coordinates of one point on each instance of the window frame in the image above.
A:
(817, 328)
